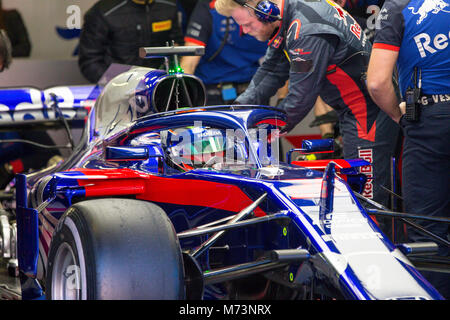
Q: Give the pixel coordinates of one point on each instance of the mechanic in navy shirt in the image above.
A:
(223, 69)
(415, 35)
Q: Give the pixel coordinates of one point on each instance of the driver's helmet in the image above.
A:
(194, 147)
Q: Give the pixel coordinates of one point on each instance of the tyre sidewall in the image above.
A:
(125, 249)
(71, 230)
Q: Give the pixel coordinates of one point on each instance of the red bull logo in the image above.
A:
(367, 154)
(429, 6)
(276, 43)
(342, 15)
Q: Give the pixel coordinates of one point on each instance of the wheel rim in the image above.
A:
(66, 276)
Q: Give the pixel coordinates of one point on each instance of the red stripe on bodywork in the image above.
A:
(296, 141)
(354, 99)
(145, 129)
(99, 183)
(192, 192)
(197, 193)
(119, 187)
(274, 122)
(322, 164)
(197, 42)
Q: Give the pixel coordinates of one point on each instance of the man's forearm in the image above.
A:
(383, 94)
(379, 82)
(264, 84)
(189, 63)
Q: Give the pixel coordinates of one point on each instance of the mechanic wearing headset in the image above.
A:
(415, 35)
(222, 69)
(321, 50)
(114, 30)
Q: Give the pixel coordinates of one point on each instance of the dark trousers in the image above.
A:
(378, 152)
(426, 178)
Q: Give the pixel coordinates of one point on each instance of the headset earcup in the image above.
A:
(267, 11)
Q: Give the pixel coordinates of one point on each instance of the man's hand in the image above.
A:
(190, 63)
(402, 107)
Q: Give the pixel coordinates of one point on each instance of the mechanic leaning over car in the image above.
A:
(114, 30)
(414, 35)
(322, 51)
(364, 12)
(225, 72)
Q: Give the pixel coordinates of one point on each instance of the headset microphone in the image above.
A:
(266, 11)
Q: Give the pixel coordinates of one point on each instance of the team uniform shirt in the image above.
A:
(322, 50)
(208, 28)
(406, 27)
(114, 30)
(419, 31)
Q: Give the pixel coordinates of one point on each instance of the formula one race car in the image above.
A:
(164, 198)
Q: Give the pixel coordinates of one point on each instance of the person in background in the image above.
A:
(185, 9)
(5, 51)
(11, 21)
(418, 45)
(114, 30)
(224, 71)
(17, 157)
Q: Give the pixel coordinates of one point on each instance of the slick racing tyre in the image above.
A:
(115, 249)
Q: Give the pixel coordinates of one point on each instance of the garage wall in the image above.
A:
(42, 17)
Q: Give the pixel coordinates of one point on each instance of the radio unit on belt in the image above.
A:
(412, 97)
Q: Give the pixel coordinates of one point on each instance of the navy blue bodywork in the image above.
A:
(304, 209)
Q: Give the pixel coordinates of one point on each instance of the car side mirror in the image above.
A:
(312, 146)
(132, 153)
